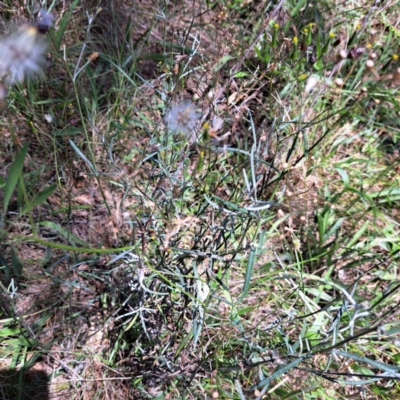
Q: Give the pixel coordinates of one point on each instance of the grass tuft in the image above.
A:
(199, 200)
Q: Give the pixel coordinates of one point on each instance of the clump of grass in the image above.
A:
(256, 260)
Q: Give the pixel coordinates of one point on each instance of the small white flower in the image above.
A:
(182, 118)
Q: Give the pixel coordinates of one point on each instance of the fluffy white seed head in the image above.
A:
(22, 54)
(182, 117)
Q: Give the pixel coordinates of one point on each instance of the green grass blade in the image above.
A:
(63, 232)
(40, 198)
(4, 266)
(14, 175)
(279, 372)
(333, 229)
(249, 273)
(81, 155)
(393, 369)
(62, 26)
(16, 263)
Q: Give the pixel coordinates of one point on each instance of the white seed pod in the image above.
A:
(217, 123)
(369, 64)
(311, 83)
(339, 82)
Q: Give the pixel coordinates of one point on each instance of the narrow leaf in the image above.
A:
(63, 24)
(81, 155)
(16, 263)
(3, 265)
(280, 371)
(249, 273)
(14, 175)
(344, 175)
(392, 369)
(333, 229)
(358, 234)
(63, 232)
(40, 198)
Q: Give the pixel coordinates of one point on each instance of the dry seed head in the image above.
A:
(182, 117)
(22, 53)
